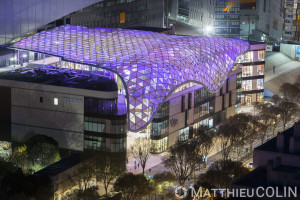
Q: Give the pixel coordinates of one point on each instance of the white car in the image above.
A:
(250, 165)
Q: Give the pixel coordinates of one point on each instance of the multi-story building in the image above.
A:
(276, 162)
(278, 19)
(198, 14)
(252, 77)
(120, 14)
(78, 96)
(80, 111)
(247, 22)
(227, 18)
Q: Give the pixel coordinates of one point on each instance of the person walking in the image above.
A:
(274, 69)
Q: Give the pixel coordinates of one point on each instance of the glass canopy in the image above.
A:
(151, 65)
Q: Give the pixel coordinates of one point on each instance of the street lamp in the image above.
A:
(209, 29)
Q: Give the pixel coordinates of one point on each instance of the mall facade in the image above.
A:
(95, 85)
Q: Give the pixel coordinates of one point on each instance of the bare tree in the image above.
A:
(275, 119)
(265, 118)
(287, 110)
(203, 136)
(182, 160)
(251, 136)
(290, 92)
(108, 169)
(86, 174)
(224, 137)
(240, 128)
(141, 151)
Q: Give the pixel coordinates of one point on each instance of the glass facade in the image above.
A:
(159, 146)
(204, 109)
(184, 134)
(163, 111)
(247, 85)
(202, 95)
(94, 143)
(118, 126)
(208, 122)
(227, 18)
(93, 124)
(159, 128)
(100, 106)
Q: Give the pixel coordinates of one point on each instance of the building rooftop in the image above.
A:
(60, 166)
(272, 145)
(51, 75)
(150, 64)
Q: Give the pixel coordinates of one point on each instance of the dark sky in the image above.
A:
(247, 4)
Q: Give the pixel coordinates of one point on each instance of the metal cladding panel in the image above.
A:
(19, 17)
(151, 64)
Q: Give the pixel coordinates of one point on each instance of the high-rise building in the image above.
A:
(120, 14)
(227, 18)
(278, 20)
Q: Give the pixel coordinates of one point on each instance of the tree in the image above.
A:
(19, 156)
(86, 174)
(108, 169)
(203, 136)
(254, 125)
(275, 118)
(42, 151)
(286, 111)
(16, 185)
(239, 129)
(290, 91)
(163, 181)
(182, 159)
(222, 173)
(132, 186)
(265, 118)
(141, 151)
(224, 136)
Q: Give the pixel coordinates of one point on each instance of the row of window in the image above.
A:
(100, 106)
(201, 95)
(252, 70)
(159, 128)
(104, 144)
(247, 85)
(204, 109)
(184, 134)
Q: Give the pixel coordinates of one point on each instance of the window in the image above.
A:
(247, 85)
(182, 103)
(260, 84)
(190, 101)
(204, 109)
(184, 134)
(201, 95)
(55, 101)
(93, 124)
(41, 99)
(159, 128)
(260, 69)
(247, 71)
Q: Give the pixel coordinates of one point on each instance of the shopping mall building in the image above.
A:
(89, 87)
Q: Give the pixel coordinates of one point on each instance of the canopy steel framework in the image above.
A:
(151, 65)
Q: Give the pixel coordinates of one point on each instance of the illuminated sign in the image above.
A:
(122, 18)
(229, 5)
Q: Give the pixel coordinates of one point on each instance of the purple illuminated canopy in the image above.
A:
(151, 64)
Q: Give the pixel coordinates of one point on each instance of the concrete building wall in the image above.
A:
(18, 18)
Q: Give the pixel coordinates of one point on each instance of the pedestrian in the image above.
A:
(138, 165)
(274, 69)
(135, 162)
(134, 167)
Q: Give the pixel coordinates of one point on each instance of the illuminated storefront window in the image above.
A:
(260, 96)
(246, 99)
(247, 57)
(247, 85)
(260, 84)
(159, 128)
(184, 134)
(261, 55)
(260, 69)
(208, 122)
(159, 146)
(247, 71)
